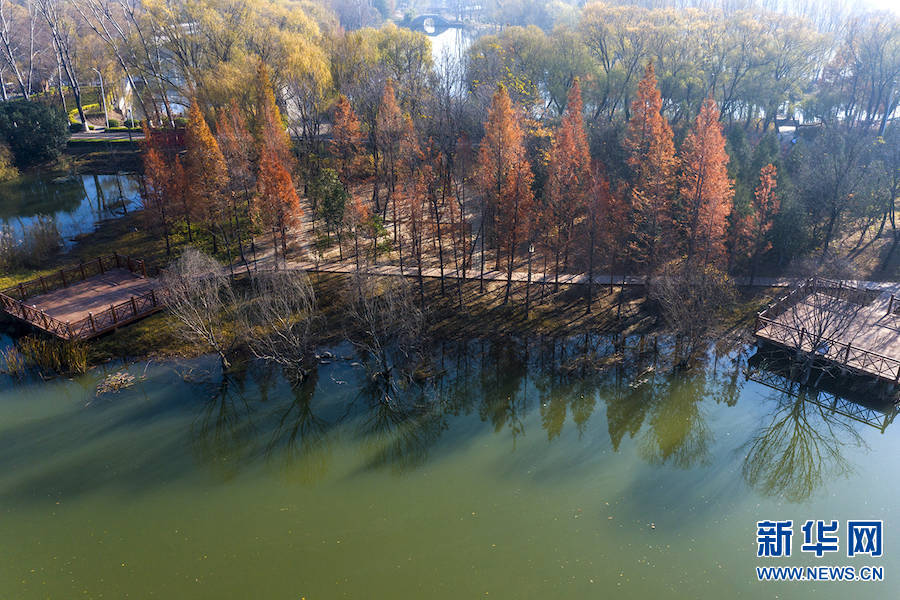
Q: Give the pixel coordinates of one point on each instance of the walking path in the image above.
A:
(521, 276)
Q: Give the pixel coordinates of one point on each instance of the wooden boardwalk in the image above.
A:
(855, 329)
(86, 300)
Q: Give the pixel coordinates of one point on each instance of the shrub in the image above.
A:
(133, 123)
(35, 132)
(13, 361)
(8, 170)
(76, 127)
(114, 123)
(181, 122)
(54, 356)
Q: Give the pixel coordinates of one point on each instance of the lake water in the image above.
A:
(76, 204)
(521, 471)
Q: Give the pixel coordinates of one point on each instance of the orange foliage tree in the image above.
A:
(268, 125)
(346, 139)
(515, 213)
(390, 132)
(604, 226)
(706, 190)
(751, 229)
(155, 195)
(502, 150)
(236, 144)
(276, 205)
(205, 174)
(651, 156)
(569, 177)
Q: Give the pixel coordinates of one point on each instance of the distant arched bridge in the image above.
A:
(438, 23)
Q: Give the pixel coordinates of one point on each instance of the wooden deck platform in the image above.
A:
(854, 329)
(86, 300)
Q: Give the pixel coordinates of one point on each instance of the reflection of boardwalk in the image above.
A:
(878, 415)
(857, 329)
(84, 301)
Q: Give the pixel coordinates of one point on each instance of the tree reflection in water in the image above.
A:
(299, 437)
(800, 447)
(257, 413)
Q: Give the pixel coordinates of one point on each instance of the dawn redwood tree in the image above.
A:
(206, 175)
(390, 132)
(569, 176)
(752, 229)
(268, 124)
(155, 193)
(413, 204)
(706, 190)
(236, 143)
(346, 139)
(651, 156)
(515, 214)
(357, 220)
(502, 148)
(604, 225)
(276, 205)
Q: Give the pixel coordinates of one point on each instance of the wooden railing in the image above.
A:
(67, 276)
(844, 354)
(12, 300)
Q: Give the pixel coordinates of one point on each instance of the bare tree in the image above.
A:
(280, 317)
(385, 325)
(18, 59)
(690, 297)
(65, 38)
(197, 290)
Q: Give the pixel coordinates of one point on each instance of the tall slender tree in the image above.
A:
(651, 156)
(346, 139)
(706, 190)
(390, 133)
(569, 179)
(205, 171)
(276, 206)
(502, 148)
(752, 229)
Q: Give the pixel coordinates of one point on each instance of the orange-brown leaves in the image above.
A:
(651, 155)
(706, 189)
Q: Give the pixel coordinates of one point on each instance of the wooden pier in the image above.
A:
(851, 328)
(85, 300)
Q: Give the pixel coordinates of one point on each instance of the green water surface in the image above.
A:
(519, 472)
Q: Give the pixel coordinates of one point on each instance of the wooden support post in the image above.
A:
(100, 263)
(81, 266)
(43, 285)
(93, 325)
(800, 343)
(116, 256)
(62, 275)
(847, 354)
(133, 307)
(891, 305)
(69, 330)
(143, 269)
(112, 309)
(44, 318)
(22, 292)
(153, 297)
(128, 262)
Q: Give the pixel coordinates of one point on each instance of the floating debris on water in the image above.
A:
(115, 382)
